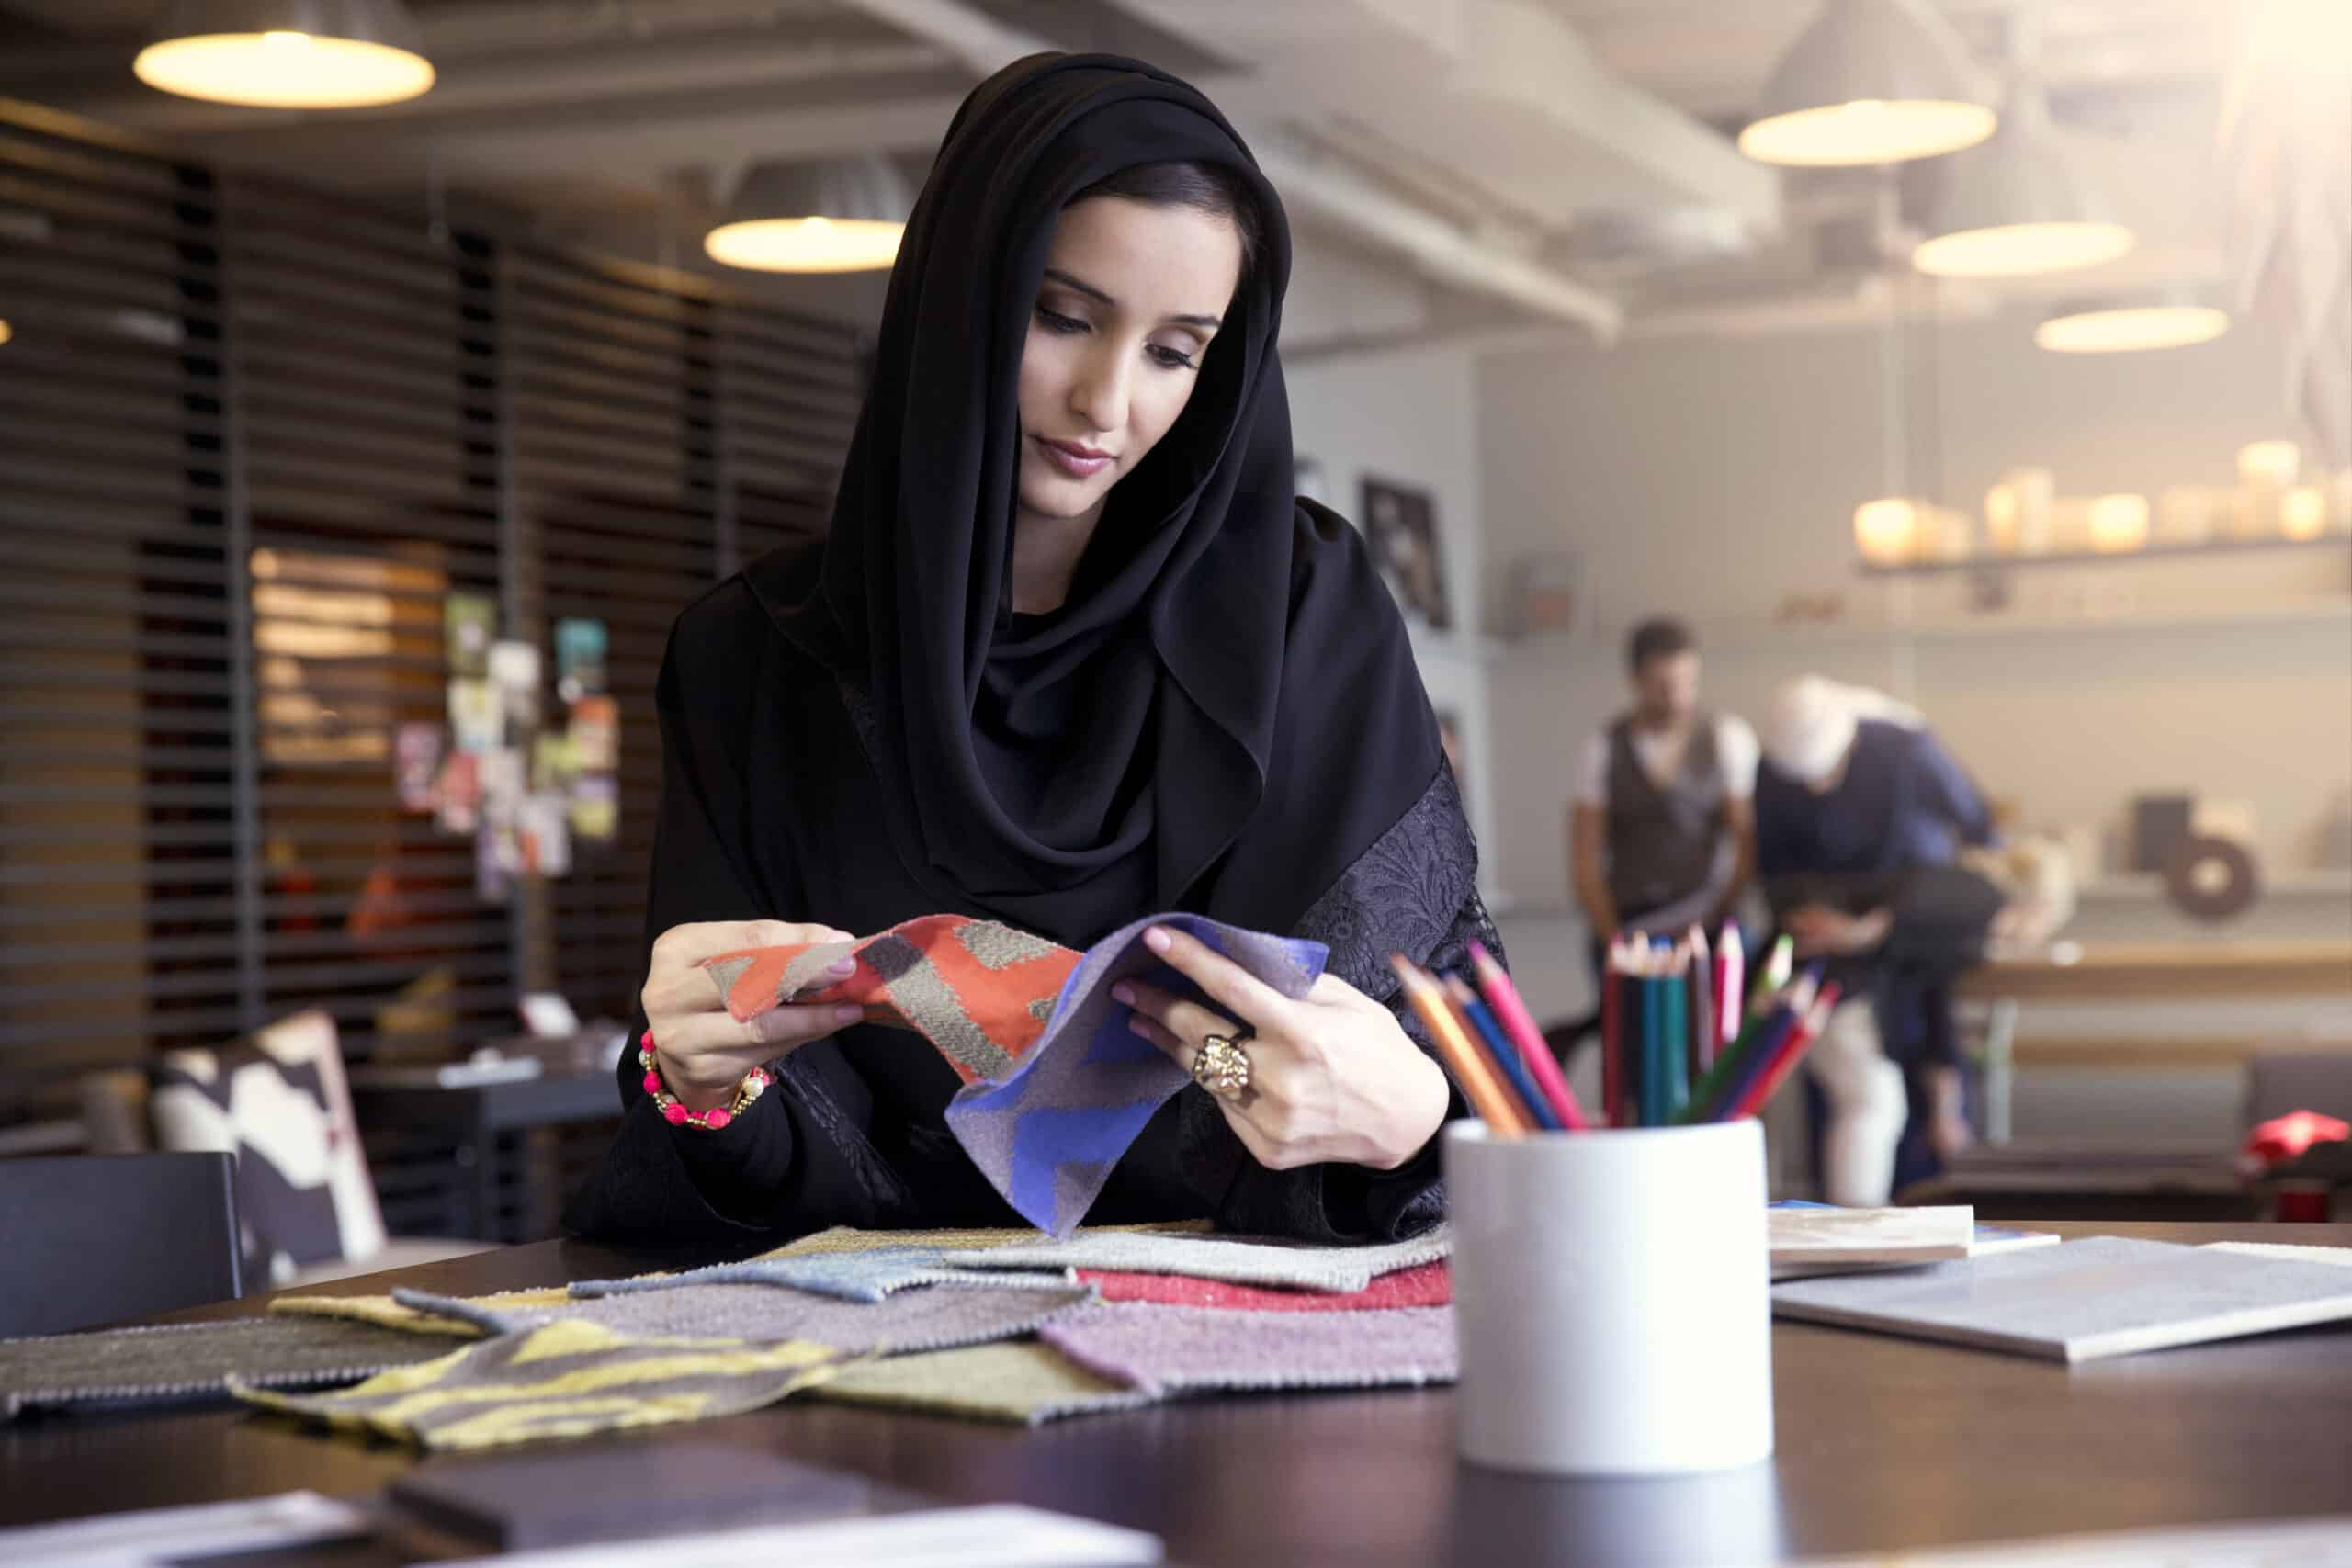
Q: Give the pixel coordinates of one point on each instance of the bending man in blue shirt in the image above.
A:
(1861, 816)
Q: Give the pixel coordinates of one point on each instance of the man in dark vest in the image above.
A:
(1661, 822)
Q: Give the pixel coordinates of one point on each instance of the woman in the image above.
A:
(1072, 653)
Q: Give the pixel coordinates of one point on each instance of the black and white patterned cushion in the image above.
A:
(279, 1103)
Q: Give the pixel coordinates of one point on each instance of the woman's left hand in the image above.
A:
(1333, 1076)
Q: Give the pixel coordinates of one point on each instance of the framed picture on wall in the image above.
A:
(1401, 522)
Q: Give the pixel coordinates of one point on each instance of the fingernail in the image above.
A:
(842, 969)
(1156, 939)
(1124, 994)
(848, 1014)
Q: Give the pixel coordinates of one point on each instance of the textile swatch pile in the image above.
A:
(1003, 1325)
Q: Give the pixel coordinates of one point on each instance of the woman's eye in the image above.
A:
(1170, 359)
(1055, 322)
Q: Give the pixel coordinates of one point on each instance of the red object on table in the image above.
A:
(2287, 1137)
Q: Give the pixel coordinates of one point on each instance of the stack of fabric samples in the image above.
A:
(997, 1325)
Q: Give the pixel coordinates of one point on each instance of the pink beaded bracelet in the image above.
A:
(755, 1083)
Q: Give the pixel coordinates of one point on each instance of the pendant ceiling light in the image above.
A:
(2012, 208)
(2129, 324)
(1869, 82)
(288, 54)
(841, 215)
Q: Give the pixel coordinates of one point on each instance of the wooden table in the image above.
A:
(1884, 1443)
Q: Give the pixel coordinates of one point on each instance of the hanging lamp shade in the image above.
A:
(2012, 207)
(287, 54)
(840, 215)
(1869, 82)
(2125, 324)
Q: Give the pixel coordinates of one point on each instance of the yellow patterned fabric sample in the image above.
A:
(566, 1380)
(1025, 1382)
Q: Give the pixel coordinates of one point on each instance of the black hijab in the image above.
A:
(1225, 714)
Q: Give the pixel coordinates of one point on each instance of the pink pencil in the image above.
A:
(1759, 1092)
(1730, 978)
(1511, 1013)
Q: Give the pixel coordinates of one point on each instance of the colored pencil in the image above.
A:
(1483, 1029)
(1786, 1017)
(1759, 1094)
(1535, 1054)
(1461, 1057)
(1738, 1062)
(1612, 1024)
(1729, 983)
(1776, 971)
(1702, 1004)
(1674, 1061)
(1653, 1094)
(1630, 990)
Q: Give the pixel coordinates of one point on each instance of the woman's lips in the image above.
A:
(1070, 459)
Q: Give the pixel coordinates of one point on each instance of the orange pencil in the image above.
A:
(1469, 1069)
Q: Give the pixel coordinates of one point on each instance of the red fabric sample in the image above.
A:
(1428, 1285)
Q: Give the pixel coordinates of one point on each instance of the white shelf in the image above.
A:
(2333, 609)
(2148, 887)
(2333, 882)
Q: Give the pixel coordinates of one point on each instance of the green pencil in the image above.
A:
(1726, 1068)
(1773, 975)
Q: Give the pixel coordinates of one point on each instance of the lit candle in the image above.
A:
(1884, 530)
(2303, 513)
(2118, 524)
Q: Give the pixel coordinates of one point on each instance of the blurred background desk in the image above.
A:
(2174, 1040)
(491, 1162)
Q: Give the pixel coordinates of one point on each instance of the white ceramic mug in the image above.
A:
(1609, 1290)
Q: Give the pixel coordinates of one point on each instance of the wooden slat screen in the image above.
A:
(250, 437)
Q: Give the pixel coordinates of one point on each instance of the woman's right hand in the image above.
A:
(704, 1052)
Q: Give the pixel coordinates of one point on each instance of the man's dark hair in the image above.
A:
(1657, 638)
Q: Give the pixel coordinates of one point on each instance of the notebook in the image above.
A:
(2083, 1302)
(1821, 1239)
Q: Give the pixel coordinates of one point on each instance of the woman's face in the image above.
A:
(1131, 297)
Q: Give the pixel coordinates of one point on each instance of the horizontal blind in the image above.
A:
(251, 438)
(366, 349)
(614, 457)
(118, 881)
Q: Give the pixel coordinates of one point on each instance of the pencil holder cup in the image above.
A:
(1609, 1290)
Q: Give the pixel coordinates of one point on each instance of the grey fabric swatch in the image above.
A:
(1236, 1260)
(194, 1360)
(1175, 1350)
(931, 1319)
(867, 1275)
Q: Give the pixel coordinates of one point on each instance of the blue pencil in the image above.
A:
(1676, 1057)
(1653, 1044)
(1490, 1029)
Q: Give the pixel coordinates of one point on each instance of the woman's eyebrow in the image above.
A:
(1056, 275)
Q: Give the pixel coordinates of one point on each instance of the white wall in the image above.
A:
(1411, 416)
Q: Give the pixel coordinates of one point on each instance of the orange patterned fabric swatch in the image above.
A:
(979, 992)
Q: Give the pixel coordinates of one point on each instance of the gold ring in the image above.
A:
(1222, 1068)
